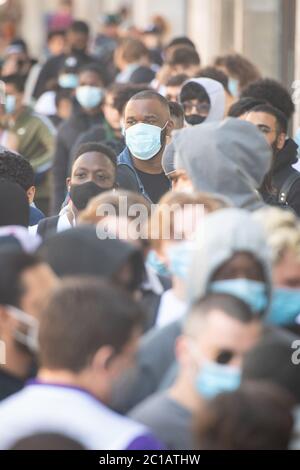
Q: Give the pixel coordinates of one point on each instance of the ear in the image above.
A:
(102, 358)
(281, 141)
(31, 194)
(182, 351)
(68, 183)
(170, 127)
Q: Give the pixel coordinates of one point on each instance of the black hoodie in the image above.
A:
(283, 169)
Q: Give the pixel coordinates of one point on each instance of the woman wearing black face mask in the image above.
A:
(93, 172)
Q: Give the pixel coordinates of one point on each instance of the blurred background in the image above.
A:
(265, 31)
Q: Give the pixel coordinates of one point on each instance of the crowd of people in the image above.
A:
(149, 247)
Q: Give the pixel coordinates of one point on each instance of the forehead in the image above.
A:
(92, 159)
(89, 75)
(261, 118)
(145, 107)
(224, 332)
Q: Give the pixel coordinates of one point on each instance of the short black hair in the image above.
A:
(215, 74)
(177, 80)
(56, 32)
(230, 305)
(83, 315)
(93, 67)
(79, 27)
(243, 105)
(151, 95)
(273, 92)
(281, 119)
(176, 110)
(12, 265)
(14, 204)
(15, 168)
(194, 91)
(184, 56)
(18, 81)
(181, 41)
(96, 147)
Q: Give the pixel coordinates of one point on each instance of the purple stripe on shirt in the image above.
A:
(145, 442)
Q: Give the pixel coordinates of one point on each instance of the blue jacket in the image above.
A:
(125, 159)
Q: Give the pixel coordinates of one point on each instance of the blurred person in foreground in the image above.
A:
(25, 284)
(217, 332)
(254, 417)
(80, 365)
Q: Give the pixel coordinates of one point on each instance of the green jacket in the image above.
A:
(36, 135)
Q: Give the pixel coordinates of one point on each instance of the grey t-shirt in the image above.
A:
(168, 420)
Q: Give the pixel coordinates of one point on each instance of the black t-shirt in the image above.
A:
(155, 185)
(9, 384)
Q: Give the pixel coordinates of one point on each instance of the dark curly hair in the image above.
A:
(15, 168)
(273, 92)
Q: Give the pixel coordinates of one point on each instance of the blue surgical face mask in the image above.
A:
(144, 140)
(214, 378)
(10, 104)
(68, 80)
(89, 97)
(233, 86)
(157, 265)
(251, 292)
(180, 257)
(285, 306)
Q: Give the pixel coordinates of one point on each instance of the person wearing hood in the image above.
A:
(230, 158)
(79, 252)
(202, 99)
(93, 172)
(234, 261)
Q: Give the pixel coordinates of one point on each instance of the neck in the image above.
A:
(92, 111)
(153, 166)
(60, 377)
(179, 288)
(72, 213)
(184, 393)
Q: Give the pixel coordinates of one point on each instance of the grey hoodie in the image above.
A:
(216, 93)
(221, 235)
(229, 158)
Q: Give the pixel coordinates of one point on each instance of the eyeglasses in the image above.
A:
(200, 108)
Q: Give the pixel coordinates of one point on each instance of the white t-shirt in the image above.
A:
(170, 309)
(73, 412)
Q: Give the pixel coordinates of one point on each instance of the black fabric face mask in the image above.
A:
(194, 119)
(81, 194)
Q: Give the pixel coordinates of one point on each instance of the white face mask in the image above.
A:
(29, 337)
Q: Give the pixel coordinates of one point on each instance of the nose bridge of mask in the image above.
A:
(253, 293)
(180, 257)
(30, 338)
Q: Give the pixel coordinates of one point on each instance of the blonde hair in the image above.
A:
(282, 229)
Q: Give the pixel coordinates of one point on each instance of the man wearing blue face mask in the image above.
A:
(147, 125)
(89, 95)
(218, 331)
